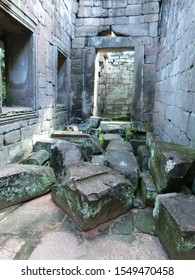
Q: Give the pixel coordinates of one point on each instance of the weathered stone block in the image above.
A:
(147, 189)
(140, 29)
(93, 194)
(63, 154)
(125, 163)
(89, 30)
(44, 144)
(12, 137)
(19, 183)
(37, 158)
(109, 137)
(78, 43)
(99, 12)
(134, 10)
(143, 157)
(119, 145)
(137, 141)
(172, 166)
(175, 225)
(83, 139)
(150, 8)
(109, 4)
(137, 127)
(150, 138)
(85, 12)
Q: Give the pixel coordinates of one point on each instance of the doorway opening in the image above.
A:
(114, 84)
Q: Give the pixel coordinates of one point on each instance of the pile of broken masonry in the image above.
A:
(98, 173)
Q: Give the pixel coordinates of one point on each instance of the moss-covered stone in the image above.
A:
(172, 166)
(19, 183)
(143, 157)
(175, 225)
(40, 157)
(92, 195)
(138, 128)
(147, 190)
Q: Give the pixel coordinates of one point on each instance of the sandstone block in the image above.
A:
(20, 183)
(140, 29)
(63, 154)
(93, 194)
(143, 157)
(175, 225)
(119, 145)
(12, 137)
(150, 8)
(134, 10)
(44, 144)
(109, 4)
(147, 189)
(109, 137)
(172, 166)
(38, 158)
(125, 163)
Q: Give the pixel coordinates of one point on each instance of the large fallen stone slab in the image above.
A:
(21, 182)
(124, 162)
(172, 166)
(175, 224)
(84, 139)
(93, 194)
(64, 154)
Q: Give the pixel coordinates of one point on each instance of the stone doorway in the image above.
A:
(114, 83)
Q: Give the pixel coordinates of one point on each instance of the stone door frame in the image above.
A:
(118, 43)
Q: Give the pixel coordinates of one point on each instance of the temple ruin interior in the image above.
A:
(97, 110)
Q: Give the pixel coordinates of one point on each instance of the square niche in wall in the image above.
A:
(61, 79)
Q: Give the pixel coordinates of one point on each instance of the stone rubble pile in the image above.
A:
(95, 178)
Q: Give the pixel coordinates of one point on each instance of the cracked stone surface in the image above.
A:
(40, 230)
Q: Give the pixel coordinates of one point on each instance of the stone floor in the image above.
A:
(40, 230)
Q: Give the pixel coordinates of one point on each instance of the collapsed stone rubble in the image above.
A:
(98, 178)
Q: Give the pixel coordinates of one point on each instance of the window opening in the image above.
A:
(61, 79)
(17, 64)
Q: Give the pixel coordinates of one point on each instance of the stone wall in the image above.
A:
(135, 24)
(115, 85)
(174, 111)
(51, 27)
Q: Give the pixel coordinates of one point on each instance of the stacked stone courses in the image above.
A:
(138, 22)
(174, 111)
(53, 29)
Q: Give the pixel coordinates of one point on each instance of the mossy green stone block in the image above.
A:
(148, 189)
(172, 166)
(93, 194)
(175, 225)
(21, 182)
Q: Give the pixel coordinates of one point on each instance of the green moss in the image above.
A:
(16, 189)
(149, 126)
(101, 139)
